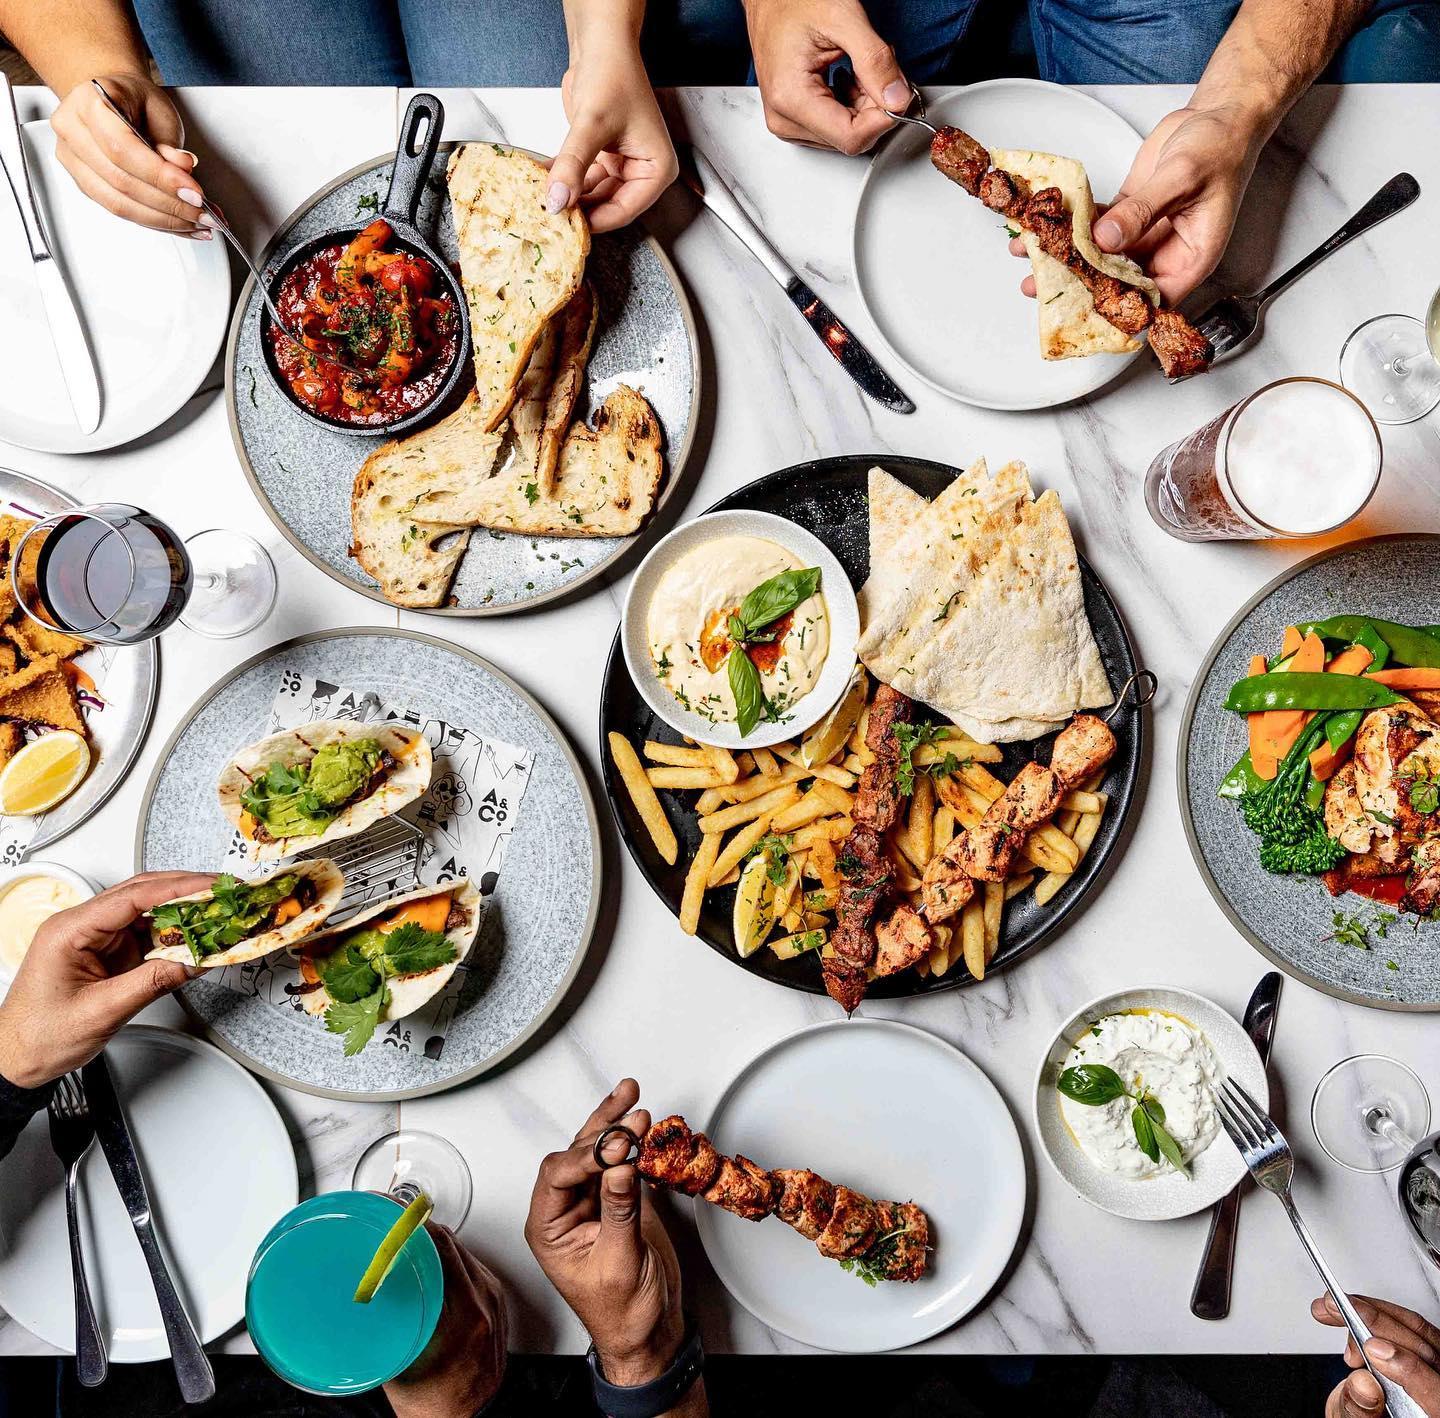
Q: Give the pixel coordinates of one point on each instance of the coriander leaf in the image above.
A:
(1145, 1133)
(410, 950)
(227, 892)
(910, 737)
(746, 688)
(1091, 1084)
(1171, 1149)
(776, 597)
(357, 1020)
(347, 975)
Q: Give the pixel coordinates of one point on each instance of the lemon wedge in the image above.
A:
(754, 905)
(410, 1221)
(825, 741)
(43, 774)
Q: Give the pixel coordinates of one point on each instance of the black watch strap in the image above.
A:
(659, 1395)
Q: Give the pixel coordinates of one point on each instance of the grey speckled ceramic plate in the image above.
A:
(128, 677)
(302, 473)
(539, 920)
(1289, 919)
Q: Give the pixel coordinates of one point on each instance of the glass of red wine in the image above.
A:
(117, 575)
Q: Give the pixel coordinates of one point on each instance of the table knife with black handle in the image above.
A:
(1210, 1300)
(848, 352)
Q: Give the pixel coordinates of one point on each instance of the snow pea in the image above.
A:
(1290, 690)
(1408, 646)
(1339, 727)
(1241, 779)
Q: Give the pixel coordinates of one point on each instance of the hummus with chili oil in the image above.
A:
(688, 621)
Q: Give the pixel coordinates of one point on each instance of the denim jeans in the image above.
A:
(500, 43)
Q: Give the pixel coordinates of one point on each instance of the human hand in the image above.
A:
(794, 42)
(1406, 1348)
(617, 158)
(600, 1243)
(463, 1365)
(112, 166)
(84, 977)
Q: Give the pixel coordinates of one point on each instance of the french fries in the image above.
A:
(771, 799)
(632, 774)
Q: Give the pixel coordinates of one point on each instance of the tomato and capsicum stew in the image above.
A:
(388, 312)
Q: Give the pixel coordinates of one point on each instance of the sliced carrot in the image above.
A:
(1412, 677)
(1352, 660)
(1266, 765)
(429, 915)
(1292, 640)
(1257, 667)
(1280, 728)
(1325, 761)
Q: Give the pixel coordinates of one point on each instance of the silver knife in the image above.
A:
(852, 356)
(1210, 1300)
(77, 364)
(192, 1368)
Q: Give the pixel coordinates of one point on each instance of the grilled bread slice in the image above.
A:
(519, 263)
(576, 334)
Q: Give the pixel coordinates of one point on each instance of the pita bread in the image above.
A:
(985, 621)
(407, 992)
(402, 784)
(526, 423)
(329, 883)
(605, 481)
(576, 334)
(519, 263)
(1069, 323)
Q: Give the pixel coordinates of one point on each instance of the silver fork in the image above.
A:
(1234, 318)
(1272, 1164)
(72, 1134)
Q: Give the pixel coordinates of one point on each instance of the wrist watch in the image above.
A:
(659, 1395)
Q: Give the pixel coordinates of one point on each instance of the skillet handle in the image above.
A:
(413, 157)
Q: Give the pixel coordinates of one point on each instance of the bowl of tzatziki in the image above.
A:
(740, 628)
(1125, 1101)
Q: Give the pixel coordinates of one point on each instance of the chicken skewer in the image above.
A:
(1181, 349)
(885, 1240)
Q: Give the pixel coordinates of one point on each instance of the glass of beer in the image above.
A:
(1298, 458)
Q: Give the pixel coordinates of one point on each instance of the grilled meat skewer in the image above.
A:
(890, 1238)
(1181, 349)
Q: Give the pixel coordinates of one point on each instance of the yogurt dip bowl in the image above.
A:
(673, 587)
(1222, 1051)
(29, 896)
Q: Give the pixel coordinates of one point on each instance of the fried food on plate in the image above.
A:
(632, 774)
(42, 693)
(519, 263)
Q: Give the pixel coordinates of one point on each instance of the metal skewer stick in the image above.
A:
(614, 1130)
(921, 121)
(1143, 683)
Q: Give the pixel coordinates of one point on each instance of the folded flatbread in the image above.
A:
(407, 993)
(1069, 323)
(326, 883)
(985, 620)
(404, 780)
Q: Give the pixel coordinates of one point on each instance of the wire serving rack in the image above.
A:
(382, 861)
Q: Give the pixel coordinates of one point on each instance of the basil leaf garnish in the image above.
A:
(746, 689)
(1171, 1149)
(1145, 1133)
(776, 597)
(1091, 1084)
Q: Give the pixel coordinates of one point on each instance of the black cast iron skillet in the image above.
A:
(414, 156)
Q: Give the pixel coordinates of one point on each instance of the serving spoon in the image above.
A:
(218, 222)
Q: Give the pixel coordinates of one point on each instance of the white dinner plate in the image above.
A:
(908, 1118)
(154, 308)
(221, 1172)
(933, 264)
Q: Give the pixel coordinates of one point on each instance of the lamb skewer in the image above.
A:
(885, 1240)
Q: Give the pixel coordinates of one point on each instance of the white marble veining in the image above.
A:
(1081, 1281)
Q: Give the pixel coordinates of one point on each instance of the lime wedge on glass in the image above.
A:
(410, 1221)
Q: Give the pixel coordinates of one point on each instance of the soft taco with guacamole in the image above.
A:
(388, 960)
(235, 921)
(304, 787)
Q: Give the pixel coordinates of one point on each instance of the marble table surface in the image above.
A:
(1081, 1281)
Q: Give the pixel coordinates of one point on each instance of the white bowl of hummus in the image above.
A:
(1170, 1050)
(739, 629)
(29, 896)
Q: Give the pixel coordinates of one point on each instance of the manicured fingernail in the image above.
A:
(205, 219)
(1108, 233)
(897, 95)
(188, 194)
(194, 160)
(557, 198)
(200, 234)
